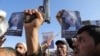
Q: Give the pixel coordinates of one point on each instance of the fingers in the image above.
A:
(39, 15)
(32, 11)
(49, 42)
(3, 40)
(2, 37)
(59, 14)
(29, 11)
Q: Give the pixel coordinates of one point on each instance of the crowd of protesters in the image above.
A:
(86, 41)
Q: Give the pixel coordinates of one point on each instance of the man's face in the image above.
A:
(84, 45)
(62, 49)
(15, 19)
(20, 49)
(69, 19)
(72, 21)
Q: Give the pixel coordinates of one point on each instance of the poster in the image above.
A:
(86, 22)
(48, 36)
(71, 22)
(91, 22)
(15, 24)
(95, 22)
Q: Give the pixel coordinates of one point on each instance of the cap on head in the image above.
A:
(61, 41)
(22, 44)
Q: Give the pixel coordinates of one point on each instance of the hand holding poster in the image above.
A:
(48, 38)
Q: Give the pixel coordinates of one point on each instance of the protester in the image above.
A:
(32, 41)
(21, 49)
(31, 30)
(45, 47)
(59, 19)
(87, 41)
(3, 27)
(62, 48)
(4, 51)
(3, 23)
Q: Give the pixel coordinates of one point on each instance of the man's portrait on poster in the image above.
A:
(70, 20)
(16, 21)
(97, 22)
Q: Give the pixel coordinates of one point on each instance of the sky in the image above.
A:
(89, 10)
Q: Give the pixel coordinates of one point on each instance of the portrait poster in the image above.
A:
(91, 22)
(15, 24)
(95, 22)
(71, 22)
(86, 22)
(46, 36)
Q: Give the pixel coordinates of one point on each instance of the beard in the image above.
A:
(19, 54)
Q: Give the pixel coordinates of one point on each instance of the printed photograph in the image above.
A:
(86, 22)
(15, 24)
(71, 22)
(46, 37)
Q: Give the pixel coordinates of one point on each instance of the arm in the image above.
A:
(31, 30)
(59, 19)
(46, 45)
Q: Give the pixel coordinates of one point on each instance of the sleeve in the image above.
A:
(39, 53)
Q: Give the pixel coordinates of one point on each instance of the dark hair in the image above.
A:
(92, 30)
